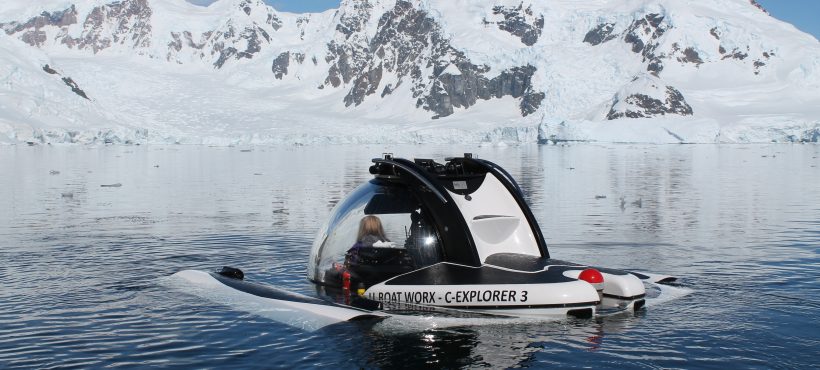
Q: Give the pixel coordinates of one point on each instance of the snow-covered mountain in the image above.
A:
(239, 71)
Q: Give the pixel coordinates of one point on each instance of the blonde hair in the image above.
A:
(371, 225)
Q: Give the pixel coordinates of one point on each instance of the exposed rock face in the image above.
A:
(755, 3)
(131, 21)
(530, 102)
(67, 80)
(240, 40)
(31, 31)
(647, 97)
(689, 55)
(391, 49)
(63, 18)
(450, 91)
(646, 33)
(758, 64)
(365, 84)
(74, 87)
(409, 44)
(520, 22)
(348, 53)
(302, 23)
(233, 44)
(650, 107)
(643, 36)
(280, 65)
(600, 34)
(735, 54)
(126, 22)
(186, 40)
(50, 70)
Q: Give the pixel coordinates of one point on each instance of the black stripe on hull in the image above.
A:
(524, 306)
(265, 291)
(640, 275)
(452, 274)
(527, 263)
(357, 303)
(639, 296)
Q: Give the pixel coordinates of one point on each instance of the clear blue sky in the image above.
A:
(303, 6)
(805, 14)
(293, 6)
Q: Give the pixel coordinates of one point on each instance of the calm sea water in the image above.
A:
(84, 267)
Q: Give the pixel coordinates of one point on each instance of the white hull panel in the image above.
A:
(499, 298)
(306, 316)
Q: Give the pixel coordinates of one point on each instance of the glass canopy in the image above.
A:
(412, 241)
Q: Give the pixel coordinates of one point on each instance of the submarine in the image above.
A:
(455, 237)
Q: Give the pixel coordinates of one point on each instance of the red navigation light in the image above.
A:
(591, 276)
(346, 280)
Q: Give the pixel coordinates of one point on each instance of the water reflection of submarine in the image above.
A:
(508, 345)
(469, 245)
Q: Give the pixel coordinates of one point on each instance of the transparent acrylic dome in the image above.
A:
(413, 241)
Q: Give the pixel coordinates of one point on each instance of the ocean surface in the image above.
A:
(90, 235)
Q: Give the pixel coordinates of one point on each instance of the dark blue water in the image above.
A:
(84, 268)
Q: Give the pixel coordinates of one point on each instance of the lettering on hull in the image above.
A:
(453, 297)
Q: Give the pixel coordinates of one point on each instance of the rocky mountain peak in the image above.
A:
(244, 31)
(647, 96)
(126, 22)
(408, 49)
(521, 22)
(756, 4)
(516, 61)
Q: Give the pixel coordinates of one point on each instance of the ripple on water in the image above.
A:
(82, 275)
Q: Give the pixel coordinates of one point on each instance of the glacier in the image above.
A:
(490, 72)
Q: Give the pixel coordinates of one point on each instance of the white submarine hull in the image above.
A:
(297, 310)
(311, 313)
(550, 290)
